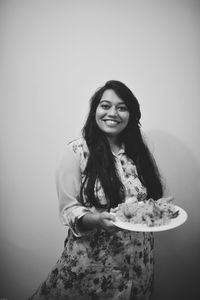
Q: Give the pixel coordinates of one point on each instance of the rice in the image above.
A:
(150, 212)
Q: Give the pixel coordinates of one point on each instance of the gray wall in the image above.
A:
(53, 56)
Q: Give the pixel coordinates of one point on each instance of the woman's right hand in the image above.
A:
(101, 220)
(104, 221)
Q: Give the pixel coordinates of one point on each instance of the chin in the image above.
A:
(112, 134)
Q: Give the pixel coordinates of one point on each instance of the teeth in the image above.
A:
(111, 122)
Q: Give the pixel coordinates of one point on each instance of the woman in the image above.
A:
(107, 165)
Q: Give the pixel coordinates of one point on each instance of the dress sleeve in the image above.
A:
(68, 182)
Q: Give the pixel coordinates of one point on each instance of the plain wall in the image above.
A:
(53, 56)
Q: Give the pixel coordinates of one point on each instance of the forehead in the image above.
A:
(111, 96)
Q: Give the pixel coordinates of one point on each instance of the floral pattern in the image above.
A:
(102, 265)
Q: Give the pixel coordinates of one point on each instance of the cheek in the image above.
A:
(99, 113)
(98, 116)
(126, 118)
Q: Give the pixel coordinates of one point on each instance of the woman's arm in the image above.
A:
(68, 182)
(74, 215)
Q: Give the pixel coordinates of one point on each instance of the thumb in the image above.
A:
(167, 199)
(111, 216)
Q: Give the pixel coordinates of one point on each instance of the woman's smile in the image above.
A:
(111, 122)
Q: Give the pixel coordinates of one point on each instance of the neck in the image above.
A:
(114, 144)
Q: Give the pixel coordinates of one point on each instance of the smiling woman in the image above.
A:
(100, 170)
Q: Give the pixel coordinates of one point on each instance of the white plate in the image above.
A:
(175, 222)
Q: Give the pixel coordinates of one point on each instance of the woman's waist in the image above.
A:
(121, 238)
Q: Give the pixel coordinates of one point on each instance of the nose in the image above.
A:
(112, 111)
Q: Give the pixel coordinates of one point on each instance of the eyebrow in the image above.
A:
(119, 103)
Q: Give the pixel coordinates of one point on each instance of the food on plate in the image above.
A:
(149, 212)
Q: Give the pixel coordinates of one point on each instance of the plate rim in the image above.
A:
(145, 228)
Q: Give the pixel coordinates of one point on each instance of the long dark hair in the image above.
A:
(101, 162)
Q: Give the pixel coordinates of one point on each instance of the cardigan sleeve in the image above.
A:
(68, 183)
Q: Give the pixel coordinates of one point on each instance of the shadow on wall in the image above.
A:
(18, 267)
(177, 251)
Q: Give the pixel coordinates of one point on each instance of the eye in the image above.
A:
(105, 106)
(122, 108)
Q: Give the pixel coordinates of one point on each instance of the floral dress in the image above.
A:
(97, 265)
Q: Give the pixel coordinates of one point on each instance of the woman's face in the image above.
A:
(112, 114)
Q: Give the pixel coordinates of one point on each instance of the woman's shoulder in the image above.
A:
(78, 147)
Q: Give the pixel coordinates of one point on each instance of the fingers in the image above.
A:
(106, 221)
(108, 216)
(111, 217)
(168, 199)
